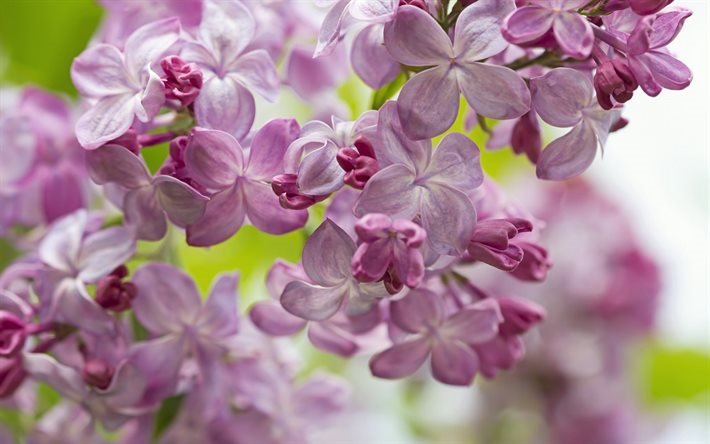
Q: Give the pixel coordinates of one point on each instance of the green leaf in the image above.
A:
(169, 410)
(388, 91)
(47, 398)
(673, 375)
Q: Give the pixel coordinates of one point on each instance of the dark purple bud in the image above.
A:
(647, 7)
(526, 137)
(535, 263)
(614, 79)
(182, 81)
(12, 334)
(175, 165)
(519, 315)
(11, 375)
(97, 373)
(490, 242)
(286, 187)
(113, 294)
(359, 163)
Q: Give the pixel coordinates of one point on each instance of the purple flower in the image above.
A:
(182, 81)
(326, 260)
(75, 253)
(121, 85)
(491, 242)
(535, 263)
(447, 338)
(239, 180)
(370, 59)
(571, 30)
(414, 183)
(147, 199)
(647, 7)
(651, 64)
(429, 101)
(113, 294)
(389, 248)
(225, 101)
(169, 306)
(13, 334)
(564, 98)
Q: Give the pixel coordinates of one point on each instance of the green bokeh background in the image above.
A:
(39, 39)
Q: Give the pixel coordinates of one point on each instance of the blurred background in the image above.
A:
(655, 171)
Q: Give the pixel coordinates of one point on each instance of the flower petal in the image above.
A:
(373, 10)
(325, 336)
(182, 204)
(145, 46)
(256, 70)
(370, 59)
(226, 29)
(419, 310)
(414, 38)
(574, 34)
(456, 163)
(108, 119)
(268, 148)
(478, 30)
(400, 360)
(75, 306)
(312, 302)
(167, 298)
(219, 317)
(453, 363)
(265, 212)
(271, 318)
(224, 215)
(569, 155)
(225, 105)
(330, 29)
(392, 192)
(160, 361)
(475, 324)
(319, 172)
(116, 164)
(394, 147)
(60, 247)
(327, 254)
(668, 71)
(214, 158)
(103, 251)
(144, 214)
(493, 91)
(527, 24)
(99, 72)
(60, 377)
(448, 216)
(560, 96)
(63, 192)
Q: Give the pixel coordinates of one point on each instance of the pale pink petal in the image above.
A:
(392, 192)
(668, 71)
(182, 204)
(268, 148)
(475, 324)
(144, 214)
(60, 377)
(256, 70)
(560, 96)
(569, 155)
(103, 251)
(453, 363)
(414, 38)
(265, 212)
(400, 360)
(160, 360)
(116, 164)
(108, 119)
(214, 158)
(371, 60)
(280, 274)
(574, 34)
(448, 216)
(61, 246)
(18, 146)
(321, 398)
(456, 162)
(394, 147)
(63, 192)
(152, 98)
(493, 91)
(145, 46)
(99, 72)
(324, 336)
(478, 29)
(527, 24)
(223, 217)
(313, 302)
(75, 306)
(225, 105)
(417, 311)
(167, 298)
(330, 29)
(227, 28)
(373, 10)
(319, 172)
(271, 318)
(327, 254)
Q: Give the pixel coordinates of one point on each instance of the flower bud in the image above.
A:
(97, 373)
(614, 79)
(286, 187)
(490, 242)
(535, 263)
(12, 334)
(526, 138)
(182, 81)
(11, 375)
(519, 315)
(113, 294)
(359, 163)
(647, 7)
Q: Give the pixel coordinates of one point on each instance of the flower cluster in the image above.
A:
(399, 225)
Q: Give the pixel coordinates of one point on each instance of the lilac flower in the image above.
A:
(647, 7)
(491, 242)
(168, 305)
(447, 338)
(239, 181)
(649, 61)
(326, 260)
(429, 101)
(414, 183)
(121, 85)
(389, 249)
(269, 316)
(370, 59)
(225, 101)
(565, 98)
(75, 253)
(147, 200)
(571, 30)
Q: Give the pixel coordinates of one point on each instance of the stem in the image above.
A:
(609, 39)
(524, 62)
(146, 140)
